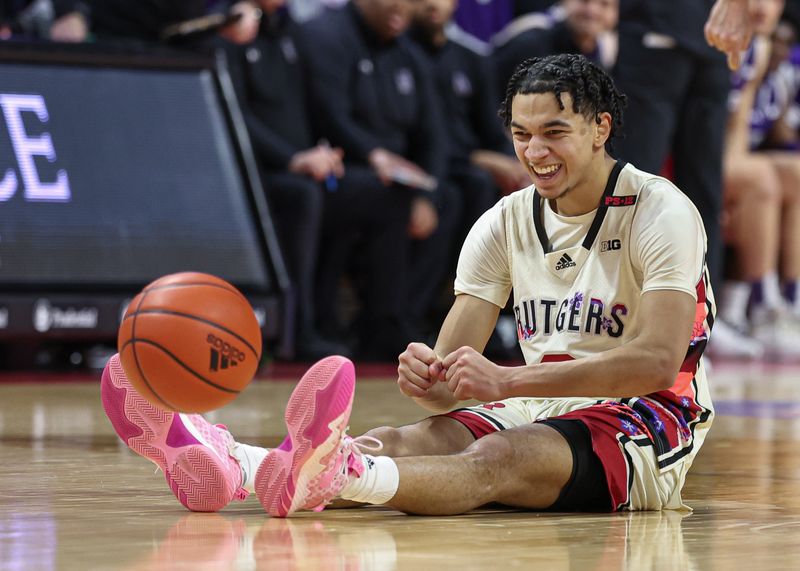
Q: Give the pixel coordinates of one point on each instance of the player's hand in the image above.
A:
(470, 375)
(424, 219)
(729, 29)
(419, 370)
(318, 162)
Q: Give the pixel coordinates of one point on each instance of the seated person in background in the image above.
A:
(190, 23)
(481, 163)
(296, 170)
(55, 20)
(374, 97)
(781, 145)
(762, 190)
(588, 29)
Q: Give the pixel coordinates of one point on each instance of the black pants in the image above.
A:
(677, 103)
(468, 192)
(367, 218)
(296, 203)
(478, 193)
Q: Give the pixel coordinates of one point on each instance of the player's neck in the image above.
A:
(585, 195)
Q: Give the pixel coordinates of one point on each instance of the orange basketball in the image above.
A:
(189, 342)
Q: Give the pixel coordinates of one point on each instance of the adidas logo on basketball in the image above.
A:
(565, 262)
(222, 354)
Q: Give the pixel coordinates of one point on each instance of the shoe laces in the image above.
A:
(356, 447)
(350, 453)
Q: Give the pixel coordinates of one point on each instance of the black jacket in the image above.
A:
(268, 77)
(466, 85)
(682, 20)
(536, 42)
(369, 94)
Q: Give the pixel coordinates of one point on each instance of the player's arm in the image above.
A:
(469, 323)
(667, 245)
(483, 284)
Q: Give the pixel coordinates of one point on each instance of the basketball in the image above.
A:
(189, 342)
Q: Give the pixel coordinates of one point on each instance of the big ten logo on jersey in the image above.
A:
(609, 245)
(21, 113)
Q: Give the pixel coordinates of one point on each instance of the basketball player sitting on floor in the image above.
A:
(613, 309)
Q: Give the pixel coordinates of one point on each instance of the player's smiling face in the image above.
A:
(557, 146)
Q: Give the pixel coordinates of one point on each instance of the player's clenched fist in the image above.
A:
(419, 370)
(470, 375)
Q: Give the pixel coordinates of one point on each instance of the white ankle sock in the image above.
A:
(770, 294)
(250, 458)
(377, 485)
(733, 306)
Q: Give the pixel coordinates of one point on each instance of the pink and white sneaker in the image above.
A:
(305, 472)
(194, 455)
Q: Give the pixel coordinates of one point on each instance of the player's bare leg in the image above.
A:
(525, 467)
(437, 435)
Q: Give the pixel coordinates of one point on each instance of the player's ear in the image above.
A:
(602, 129)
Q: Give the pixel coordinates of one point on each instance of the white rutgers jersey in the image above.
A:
(578, 282)
(583, 298)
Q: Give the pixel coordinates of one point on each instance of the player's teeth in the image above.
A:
(546, 170)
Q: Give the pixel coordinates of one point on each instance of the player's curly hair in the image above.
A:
(592, 90)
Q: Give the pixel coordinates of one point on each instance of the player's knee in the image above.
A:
(491, 450)
(391, 439)
(434, 435)
(491, 466)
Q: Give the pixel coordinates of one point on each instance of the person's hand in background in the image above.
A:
(245, 28)
(729, 29)
(71, 27)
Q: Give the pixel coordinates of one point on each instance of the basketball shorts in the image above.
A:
(627, 450)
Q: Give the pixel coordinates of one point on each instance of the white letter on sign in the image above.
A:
(26, 148)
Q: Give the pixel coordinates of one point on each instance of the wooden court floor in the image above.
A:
(73, 497)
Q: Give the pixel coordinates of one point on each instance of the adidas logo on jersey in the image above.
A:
(565, 262)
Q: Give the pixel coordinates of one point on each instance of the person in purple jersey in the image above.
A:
(771, 125)
(762, 188)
